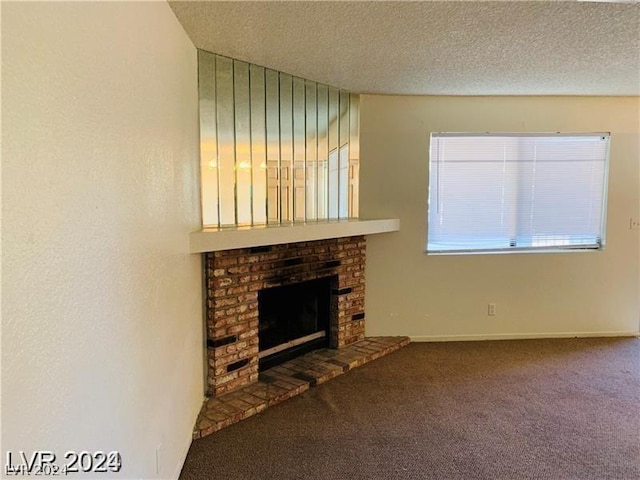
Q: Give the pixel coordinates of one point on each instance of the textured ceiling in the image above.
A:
(431, 48)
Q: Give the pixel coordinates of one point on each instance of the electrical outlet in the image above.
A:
(491, 310)
(634, 224)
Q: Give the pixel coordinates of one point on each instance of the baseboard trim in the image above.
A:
(517, 336)
(183, 458)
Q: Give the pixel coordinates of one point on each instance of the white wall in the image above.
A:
(442, 297)
(101, 307)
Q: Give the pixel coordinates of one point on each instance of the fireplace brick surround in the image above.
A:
(233, 279)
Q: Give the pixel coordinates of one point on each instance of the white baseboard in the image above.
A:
(517, 336)
(183, 457)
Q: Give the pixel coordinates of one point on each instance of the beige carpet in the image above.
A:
(536, 409)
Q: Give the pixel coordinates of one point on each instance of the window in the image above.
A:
(517, 192)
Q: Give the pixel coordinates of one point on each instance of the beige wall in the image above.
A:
(442, 297)
(101, 306)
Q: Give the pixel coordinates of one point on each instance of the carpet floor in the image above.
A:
(558, 409)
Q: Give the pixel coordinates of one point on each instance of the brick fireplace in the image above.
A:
(234, 278)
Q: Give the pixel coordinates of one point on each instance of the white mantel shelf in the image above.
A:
(227, 238)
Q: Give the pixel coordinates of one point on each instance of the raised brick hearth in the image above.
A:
(233, 279)
(288, 380)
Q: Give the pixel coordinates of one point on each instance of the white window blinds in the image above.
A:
(512, 192)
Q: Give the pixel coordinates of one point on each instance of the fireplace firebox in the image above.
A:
(294, 319)
(238, 347)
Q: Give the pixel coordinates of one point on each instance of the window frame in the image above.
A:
(555, 248)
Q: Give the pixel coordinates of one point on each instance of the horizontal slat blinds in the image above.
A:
(510, 192)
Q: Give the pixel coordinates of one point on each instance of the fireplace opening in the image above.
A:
(293, 319)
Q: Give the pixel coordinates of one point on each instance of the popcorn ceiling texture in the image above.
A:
(431, 48)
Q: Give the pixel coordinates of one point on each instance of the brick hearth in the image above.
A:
(288, 380)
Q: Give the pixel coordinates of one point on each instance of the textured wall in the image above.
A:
(410, 293)
(101, 307)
